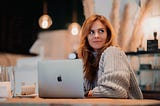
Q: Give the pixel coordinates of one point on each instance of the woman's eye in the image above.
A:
(101, 30)
(91, 32)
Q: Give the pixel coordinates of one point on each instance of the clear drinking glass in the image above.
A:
(7, 81)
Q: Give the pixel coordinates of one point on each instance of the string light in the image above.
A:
(74, 28)
(45, 21)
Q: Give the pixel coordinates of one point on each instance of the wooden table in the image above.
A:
(78, 102)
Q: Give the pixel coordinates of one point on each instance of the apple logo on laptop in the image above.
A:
(59, 78)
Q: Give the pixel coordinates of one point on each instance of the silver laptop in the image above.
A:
(60, 79)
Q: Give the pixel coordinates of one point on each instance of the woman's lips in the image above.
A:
(96, 41)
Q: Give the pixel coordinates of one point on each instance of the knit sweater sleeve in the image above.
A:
(114, 77)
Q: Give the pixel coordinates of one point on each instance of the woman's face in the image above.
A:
(97, 35)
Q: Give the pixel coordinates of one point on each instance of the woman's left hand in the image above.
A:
(90, 93)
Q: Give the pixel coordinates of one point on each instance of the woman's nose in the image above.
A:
(96, 35)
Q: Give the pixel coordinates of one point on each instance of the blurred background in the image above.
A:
(19, 27)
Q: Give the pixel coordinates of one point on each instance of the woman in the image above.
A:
(107, 72)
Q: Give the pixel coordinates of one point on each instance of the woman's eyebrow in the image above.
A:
(96, 29)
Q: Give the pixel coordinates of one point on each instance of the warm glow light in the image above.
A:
(45, 21)
(74, 31)
(74, 28)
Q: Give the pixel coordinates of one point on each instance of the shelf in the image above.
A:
(149, 70)
(151, 94)
(143, 52)
(150, 91)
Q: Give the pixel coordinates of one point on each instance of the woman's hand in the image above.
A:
(90, 93)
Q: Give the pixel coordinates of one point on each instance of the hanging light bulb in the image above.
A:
(45, 21)
(74, 28)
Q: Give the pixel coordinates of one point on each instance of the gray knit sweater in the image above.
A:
(115, 79)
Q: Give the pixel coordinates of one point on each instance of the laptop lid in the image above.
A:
(60, 78)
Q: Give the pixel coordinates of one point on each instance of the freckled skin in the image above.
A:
(97, 35)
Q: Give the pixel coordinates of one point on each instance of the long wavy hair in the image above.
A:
(85, 51)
